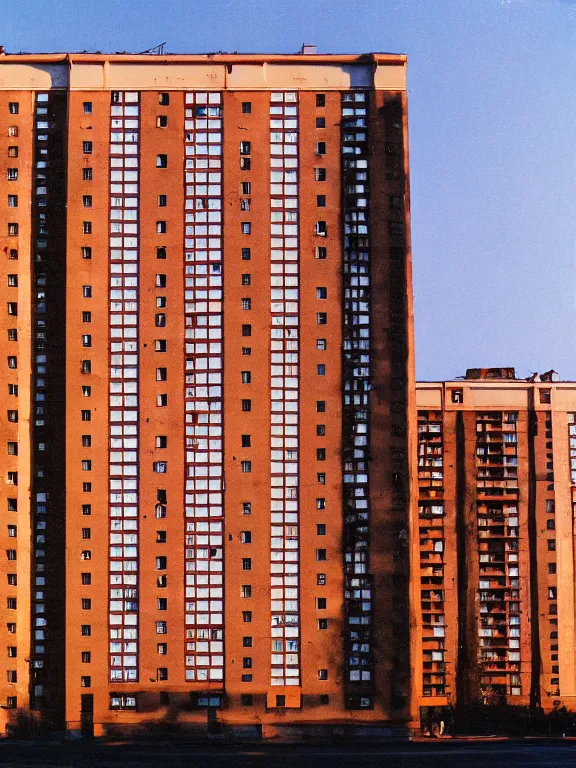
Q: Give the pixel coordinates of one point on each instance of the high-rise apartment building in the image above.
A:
(493, 546)
(207, 390)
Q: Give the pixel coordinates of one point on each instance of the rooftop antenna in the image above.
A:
(158, 50)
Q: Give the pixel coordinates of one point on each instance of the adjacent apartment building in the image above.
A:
(207, 391)
(493, 549)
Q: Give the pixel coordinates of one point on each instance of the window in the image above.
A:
(86, 317)
(321, 148)
(87, 227)
(320, 430)
(160, 345)
(12, 308)
(246, 330)
(161, 374)
(322, 674)
(12, 201)
(246, 279)
(161, 441)
(545, 395)
(245, 163)
(87, 147)
(12, 130)
(12, 361)
(247, 678)
(122, 702)
(246, 377)
(246, 564)
(245, 204)
(321, 252)
(12, 478)
(246, 227)
(246, 537)
(320, 406)
(321, 318)
(86, 657)
(12, 505)
(280, 700)
(164, 99)
(245, 254)
(245, 187)
(246, 507)
(247, 662)
(246, 351)
(11, 628)
(321, 201)
(86, 579)
(12, 531)
(162, 648)
(244, 147)
(161, 230)
(320, 555)
(86, 366)
(12, 675)
(552, 568)
(321, 579)
(552, 593)
(87, 291)
(12, 449)
(161, 627)
(321, 603)
(246, 303)
(246, 107)
(86, 604)
(161, 161)
(86, 174)
(13, 389)
(322, 623)
(162, 400)
(320, 122)
(159, 467)
(85, 630)
(12, 151)
(12, 229)
(321, 369)
(162, 201)
(87, 201)
(162, 603)
(86, 554)
(161, 563)
(160, 320)
(551, 545)
(86, 509)
(87, 487)
(320, 99)
(86, 533)
(12, 416)
(12, 253)
(11, 554)
(550, 525)
(247, 617)
(321, 228)
(246, 466)
(86, 340)
(160, 281)
(246, 591)
(12, 174)
(12, 651)
(320, 454)
(13, 107)
(320, 529)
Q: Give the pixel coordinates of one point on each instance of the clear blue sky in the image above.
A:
(493, 141)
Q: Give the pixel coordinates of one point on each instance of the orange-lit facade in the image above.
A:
(209, 391)
(493, 546)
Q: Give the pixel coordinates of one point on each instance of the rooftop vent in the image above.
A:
(308, 49)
